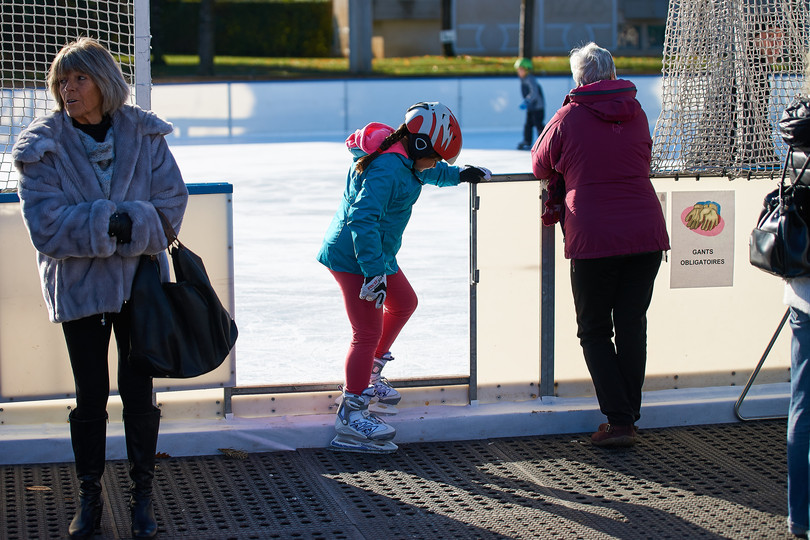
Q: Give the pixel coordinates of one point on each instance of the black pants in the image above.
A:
(88, 342)
(613, 294)
(534, 120)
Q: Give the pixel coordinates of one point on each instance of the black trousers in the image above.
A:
(534, 120)
(612, 294)
(88, 342)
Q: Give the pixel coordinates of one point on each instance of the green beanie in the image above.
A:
(525, 63)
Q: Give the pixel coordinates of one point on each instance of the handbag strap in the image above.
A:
(804, 167)
(788, 159)
(168, 230)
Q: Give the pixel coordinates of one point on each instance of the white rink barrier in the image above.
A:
(703, 343)
(33, 359)
(699, 336)
(330, 109)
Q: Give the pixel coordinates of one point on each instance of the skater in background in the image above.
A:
(92, 175)
(596, 152)
(389, 168)
(533, 103)
(795, 130)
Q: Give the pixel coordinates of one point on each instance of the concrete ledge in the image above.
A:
(50, 443)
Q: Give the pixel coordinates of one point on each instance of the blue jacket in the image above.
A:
(83, 270)
(366, 231)
(532, 93)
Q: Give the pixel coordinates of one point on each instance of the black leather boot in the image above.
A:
(141, 431)
(88, 438)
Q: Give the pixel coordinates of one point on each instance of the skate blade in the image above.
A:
(340, 444)
(378, 407)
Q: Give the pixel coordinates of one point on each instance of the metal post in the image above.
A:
(143, 70)
(206, 37)
(526, 29)
(230, 112)
(473, 387)
(448, 33)
(753, 376)
(547, 284)
(360, 31)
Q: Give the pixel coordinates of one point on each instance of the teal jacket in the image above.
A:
(366, 231)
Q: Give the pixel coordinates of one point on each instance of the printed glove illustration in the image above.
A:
(374, 289)
(474, 174)
(704, 215)
(709, 217)
(693, 217)
(120, 227)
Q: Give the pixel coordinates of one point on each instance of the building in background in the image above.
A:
(487, 28)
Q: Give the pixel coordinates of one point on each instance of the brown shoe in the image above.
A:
(610, 435)
(604, 426)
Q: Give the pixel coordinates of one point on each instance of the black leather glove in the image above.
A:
(120, 227)
(473, 174)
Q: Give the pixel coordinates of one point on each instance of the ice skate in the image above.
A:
(386, 396)
(374, 406)
(360, 431)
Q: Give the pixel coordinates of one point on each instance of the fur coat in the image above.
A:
(83, 270)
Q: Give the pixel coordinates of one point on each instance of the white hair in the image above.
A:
(591, 63)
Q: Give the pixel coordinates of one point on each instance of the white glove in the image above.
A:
(373, 290)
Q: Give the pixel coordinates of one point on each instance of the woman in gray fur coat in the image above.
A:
(92, 175)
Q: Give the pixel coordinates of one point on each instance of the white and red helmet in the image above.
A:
(434, 129)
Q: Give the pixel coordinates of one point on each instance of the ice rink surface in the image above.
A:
(292, 324)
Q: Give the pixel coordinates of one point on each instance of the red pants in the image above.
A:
(373, 330)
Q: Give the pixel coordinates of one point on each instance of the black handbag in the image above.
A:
(780, 243)
(178, 330)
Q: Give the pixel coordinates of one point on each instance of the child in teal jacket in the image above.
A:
(388, 171)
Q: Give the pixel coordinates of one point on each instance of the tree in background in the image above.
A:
(156, 28)
(448, 35)
(206, 38)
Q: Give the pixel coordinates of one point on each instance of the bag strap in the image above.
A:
(782, 180)
(168, 230)
(804, 167)
(788, 159)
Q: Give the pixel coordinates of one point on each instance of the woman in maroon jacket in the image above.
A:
(595, 152)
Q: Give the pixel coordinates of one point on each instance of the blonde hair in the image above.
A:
(88, 56)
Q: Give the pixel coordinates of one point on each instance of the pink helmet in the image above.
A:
(434, 129)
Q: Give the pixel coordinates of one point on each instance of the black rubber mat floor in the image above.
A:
(719, 481)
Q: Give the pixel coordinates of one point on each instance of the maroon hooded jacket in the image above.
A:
(599, 141)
